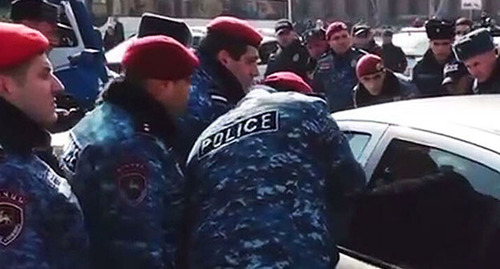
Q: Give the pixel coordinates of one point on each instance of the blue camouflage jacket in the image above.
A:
(268, 181)
(127, 180)
(335, 77)
(41, 223)
(214, 91)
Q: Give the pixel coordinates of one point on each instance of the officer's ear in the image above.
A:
(6, 85)
(224, 58)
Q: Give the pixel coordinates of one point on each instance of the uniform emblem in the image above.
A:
(325, 66)
(11, 216)
(132, 182)
(296, 57)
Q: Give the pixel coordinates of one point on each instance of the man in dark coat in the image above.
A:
(379, 85)
(292, 55)
(428, 72)
(477, 51)
(394, 57)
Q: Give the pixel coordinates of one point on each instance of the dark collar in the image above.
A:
(223, 81)
(19, 133)
(430, 59)
(148, 115)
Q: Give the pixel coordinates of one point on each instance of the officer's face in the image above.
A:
(373, 83)
(482, 66)
(173, 95)
(245, 68)
(316, 47)
(340, 42)
(441, 48)
(35, 92)
(286, 37)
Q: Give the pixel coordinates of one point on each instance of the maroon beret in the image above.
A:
(19, 44)
(159, 57)
(236, 28)
(369, 64)
(287, 81)
(335, 27)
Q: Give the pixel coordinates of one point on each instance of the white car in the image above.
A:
(411, 139)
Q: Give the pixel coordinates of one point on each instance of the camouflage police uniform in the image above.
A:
(127, 180)
(335, 76)
(215, 90)
(268, 181)
(41, 223)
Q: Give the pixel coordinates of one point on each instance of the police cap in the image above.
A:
(152, 24)
(37, 10)
(439, 29)
(472, 44)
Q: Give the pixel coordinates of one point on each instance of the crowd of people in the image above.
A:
(186, 162)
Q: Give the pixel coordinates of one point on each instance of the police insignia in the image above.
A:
(132, 182)
(11, 216)
(263, 122)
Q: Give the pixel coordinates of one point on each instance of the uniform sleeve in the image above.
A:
(132, 201)
(22, 243)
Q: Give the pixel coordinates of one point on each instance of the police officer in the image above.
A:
(477, 51)
(317, 46)
(378, 84)
(228, 56)
(463, 26)
(269, 181)
(120, 158)
(43, 16)
(335, 75)
(363, 39)
(287, 81)
(394, 57)
(292, 55)
(428, 72)
(42, 224)
(457, 79)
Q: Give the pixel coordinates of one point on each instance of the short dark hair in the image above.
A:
(215, 42)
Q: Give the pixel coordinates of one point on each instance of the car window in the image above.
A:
(428, 208)
(357, 142)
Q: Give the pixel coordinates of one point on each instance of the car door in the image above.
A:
(432, 202)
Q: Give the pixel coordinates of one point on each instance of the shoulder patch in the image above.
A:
(132, 182)
(263, 122)
(12, 207)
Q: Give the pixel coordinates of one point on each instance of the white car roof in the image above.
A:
(469, 118)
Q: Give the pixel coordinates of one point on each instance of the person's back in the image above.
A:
(268, 182)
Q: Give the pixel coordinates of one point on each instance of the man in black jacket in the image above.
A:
(477, 51)
(394, 57)
(292, 55)
(428, 72)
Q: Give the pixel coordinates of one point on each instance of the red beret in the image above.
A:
(288, 81)
(159, 57)
(236, 28)
(369, 64)
(335, 27)
(19, 44)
